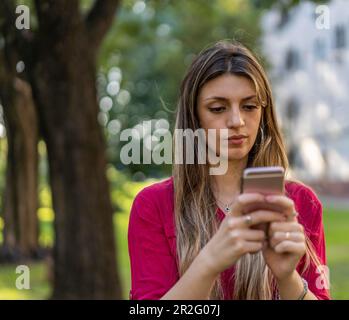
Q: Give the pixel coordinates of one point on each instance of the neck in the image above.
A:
(227, 186)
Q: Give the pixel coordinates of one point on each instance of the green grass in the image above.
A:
(337, 244)
(123, 258)
(122, 194)
(336, 224)
(39, 286)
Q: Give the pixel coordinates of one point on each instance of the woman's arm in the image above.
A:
(153, 267)
(291, 288)
(233, 239)
(289, 244)
(196, 283)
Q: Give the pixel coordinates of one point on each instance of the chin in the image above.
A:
(237, 154)
(235, 158)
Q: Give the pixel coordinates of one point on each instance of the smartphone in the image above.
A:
(264, 180)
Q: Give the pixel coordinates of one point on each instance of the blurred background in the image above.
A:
(74, 74)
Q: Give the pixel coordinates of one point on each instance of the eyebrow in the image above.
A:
(223, 98)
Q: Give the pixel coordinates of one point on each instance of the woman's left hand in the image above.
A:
(286, 240)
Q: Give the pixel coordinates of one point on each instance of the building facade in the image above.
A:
(308, 52)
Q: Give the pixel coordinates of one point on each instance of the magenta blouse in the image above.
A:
(152, 240)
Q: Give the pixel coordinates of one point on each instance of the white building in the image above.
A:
(310, 77)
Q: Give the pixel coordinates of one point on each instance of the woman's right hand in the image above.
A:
(234, 237)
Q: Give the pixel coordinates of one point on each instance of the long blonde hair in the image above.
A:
(195, 205)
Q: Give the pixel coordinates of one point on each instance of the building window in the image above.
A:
(292, 61)
(319, 49)
(340, 37)
(292, 109)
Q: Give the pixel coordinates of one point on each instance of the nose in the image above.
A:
(234, 119)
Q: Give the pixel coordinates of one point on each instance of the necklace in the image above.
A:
(226, 207)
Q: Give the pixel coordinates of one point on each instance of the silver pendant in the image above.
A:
(227, 209)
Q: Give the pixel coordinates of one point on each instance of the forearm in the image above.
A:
(196, 282)
(291, 288)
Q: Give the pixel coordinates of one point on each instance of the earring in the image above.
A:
(261, 134)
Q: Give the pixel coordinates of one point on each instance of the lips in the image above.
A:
(237, 137)
(236, 140)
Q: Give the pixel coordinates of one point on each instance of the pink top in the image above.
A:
(152, 240)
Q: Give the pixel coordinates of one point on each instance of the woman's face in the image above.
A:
(230, 102)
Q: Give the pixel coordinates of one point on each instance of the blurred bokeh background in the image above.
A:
(83, 71)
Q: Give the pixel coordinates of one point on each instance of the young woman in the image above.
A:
(182, 245)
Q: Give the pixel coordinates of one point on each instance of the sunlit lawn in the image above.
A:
(337, 239)
(39, 285)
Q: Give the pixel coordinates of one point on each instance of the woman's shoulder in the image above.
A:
(155, 204)
(157, 197)
(303, 193)
(307, 203)
(158, 190)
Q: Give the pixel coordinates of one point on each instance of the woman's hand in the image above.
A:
(235, 238)
(286, 240)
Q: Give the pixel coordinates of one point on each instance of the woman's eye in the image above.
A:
(250, 107)
(217, 109)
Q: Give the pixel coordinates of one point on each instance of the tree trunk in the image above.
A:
(60, 64)
(64, 88)
(20, 199)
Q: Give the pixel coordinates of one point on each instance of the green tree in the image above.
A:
(20, 196)
(152, 44)
(59, 53)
